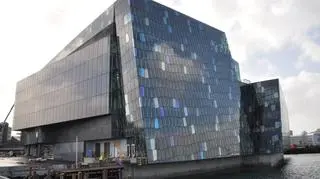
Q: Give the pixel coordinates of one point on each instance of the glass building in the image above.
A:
(142, 80)
(264, 119)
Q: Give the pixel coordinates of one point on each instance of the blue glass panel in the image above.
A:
(142, 37)
(177, 104)
(201, 155)
(141, 72)
(156, 123)
(161, 112)
(169, 28)
(141, 90)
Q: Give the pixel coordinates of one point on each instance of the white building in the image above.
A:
(302, 141)
(316, 138)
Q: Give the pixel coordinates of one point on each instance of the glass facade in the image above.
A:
(185, 93)
(264, 121)
(169, 79)
(72, 88)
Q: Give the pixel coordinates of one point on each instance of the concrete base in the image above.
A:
(167, 170)
(272, 160)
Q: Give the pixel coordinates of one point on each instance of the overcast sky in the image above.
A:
(269, 38)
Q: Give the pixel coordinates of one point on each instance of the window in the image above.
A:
(204, 146)
(230, 96)
(154, 155)
(146, 73)
(185, 110)
(209, 88)
(211, 42)
(126, 98)
(127, 18)
(182, 47)
(276, 95)
(141, 90)
(194, 55)
(140, 102)
(156, 102)
(192, 157)
(217, 127)
(201, 155)
(220, 151)
(200, 27)
(152, 143)
(166, 14)
(156, 123)
(193, 131)
(171, 141)
(142, 37)
(157, 48)
(146, 21)
(215, 104)
(197, 112)
(273, 107)
(217, 119)
(163, 66)
(127, 38)
(185, 70)
(169, 29)
(214, 68)
(213, 61)
(127, 109)
(134, 52)
(165, 20)
(143, 73)
(175, 103)
(161, 111)
(184, 122)
(202, 79)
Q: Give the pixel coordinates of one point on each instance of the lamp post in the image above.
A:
(76, 151)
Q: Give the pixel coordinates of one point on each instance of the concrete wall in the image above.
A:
(201, 166)
(181, 168)
(266, 160)
(67, 151)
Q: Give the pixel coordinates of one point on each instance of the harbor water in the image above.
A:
(302, 166)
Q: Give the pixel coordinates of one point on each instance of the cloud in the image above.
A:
(272, 39)
(258, 26)
(302, 94)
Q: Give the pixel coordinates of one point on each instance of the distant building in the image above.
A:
(316, 138)
(144, 80)
(305, 140)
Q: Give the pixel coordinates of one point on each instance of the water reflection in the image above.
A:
(299, 167)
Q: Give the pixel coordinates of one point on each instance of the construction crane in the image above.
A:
(4, 128)
(7, 116)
